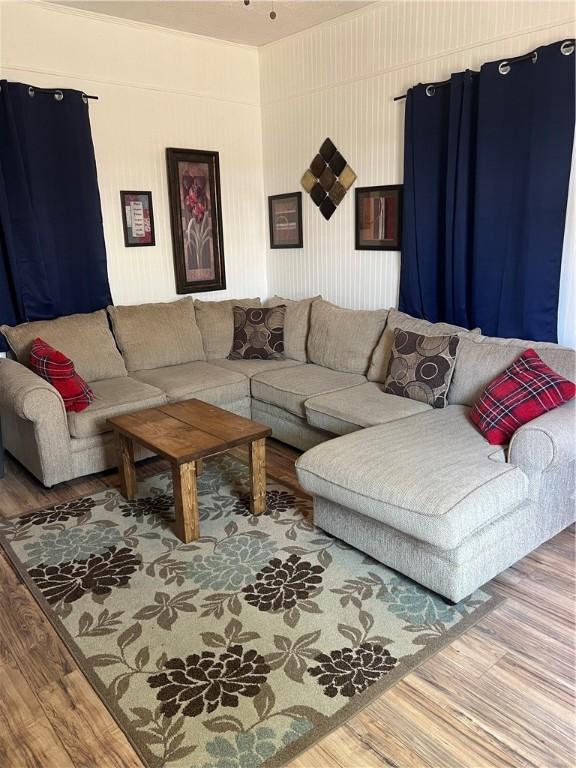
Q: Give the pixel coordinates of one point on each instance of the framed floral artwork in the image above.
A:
(379, 218)
(196, 220)
(137, 218)
(285, 216)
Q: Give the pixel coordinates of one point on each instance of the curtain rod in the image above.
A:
(567, 47)
(430, 89)
(58, 93)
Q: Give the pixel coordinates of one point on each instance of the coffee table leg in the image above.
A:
(126, 467)
(186, 502)
(258, 476)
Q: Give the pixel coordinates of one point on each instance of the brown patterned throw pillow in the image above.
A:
(421, 367)
(258, 333)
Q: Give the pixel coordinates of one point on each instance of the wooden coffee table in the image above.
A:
(185, 433)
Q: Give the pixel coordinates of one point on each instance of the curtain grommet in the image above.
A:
(430, 90)
(85, 98)
(534, 57)
(58, 95)
(31, 92)
(503, 67)
(567, 47)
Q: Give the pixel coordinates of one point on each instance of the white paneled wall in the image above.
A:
(339, 80)
(156, 89)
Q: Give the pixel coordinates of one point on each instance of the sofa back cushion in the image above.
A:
(396, 319)
(85, 339)
(216, 322)
(481, 358)
(344, 339)
(157, 335)
(296, 325)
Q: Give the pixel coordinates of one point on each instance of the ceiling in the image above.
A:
(225, 19)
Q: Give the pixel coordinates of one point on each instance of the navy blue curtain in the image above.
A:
(486, 171)
(438, 199)
(52, 252)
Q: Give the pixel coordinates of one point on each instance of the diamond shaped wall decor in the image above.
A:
(328, 179)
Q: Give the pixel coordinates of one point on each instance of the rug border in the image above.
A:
(80, 659)
(363, 700)
(356, 705)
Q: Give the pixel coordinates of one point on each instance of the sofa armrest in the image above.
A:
(545, 442)
(34, 423)
(26, 393)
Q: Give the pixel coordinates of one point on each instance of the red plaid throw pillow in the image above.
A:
(527, 389)
(59, 370)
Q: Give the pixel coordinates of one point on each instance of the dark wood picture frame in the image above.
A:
(298, 240)
(196, 220)
(132, 240)
(386, 242)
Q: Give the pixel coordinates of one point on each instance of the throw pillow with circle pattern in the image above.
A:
(421, 367)
(258, 333)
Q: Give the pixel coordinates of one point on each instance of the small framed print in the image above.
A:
(285, 214)
(379, 218)
(137, 218)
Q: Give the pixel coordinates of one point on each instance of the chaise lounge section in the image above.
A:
(426, 494)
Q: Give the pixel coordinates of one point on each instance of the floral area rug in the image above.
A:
(241, 649)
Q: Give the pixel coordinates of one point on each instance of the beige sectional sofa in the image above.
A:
(415, 487)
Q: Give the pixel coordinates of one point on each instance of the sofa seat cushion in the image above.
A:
(290, 388)
(202, 380)
(252, 367)
(111, 398)
(363, 406)
(431, 476)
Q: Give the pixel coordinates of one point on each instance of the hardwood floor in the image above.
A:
(502, 695)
